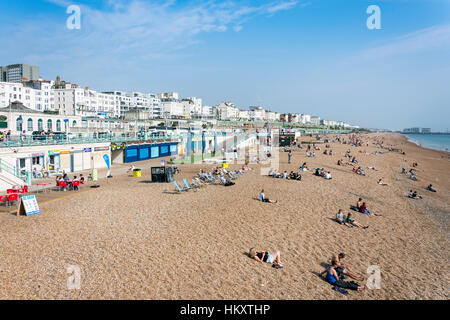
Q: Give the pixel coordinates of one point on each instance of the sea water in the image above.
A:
(431, 141)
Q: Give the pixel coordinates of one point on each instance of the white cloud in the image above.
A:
(282, 6)
(425, 39)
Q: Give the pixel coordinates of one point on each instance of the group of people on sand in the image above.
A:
(348, 220)
(320, 172)
(336, 273)
(414, 195)
(288, 176)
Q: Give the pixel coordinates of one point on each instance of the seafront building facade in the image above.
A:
(58, 126)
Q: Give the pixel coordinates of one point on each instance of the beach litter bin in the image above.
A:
(136, 173)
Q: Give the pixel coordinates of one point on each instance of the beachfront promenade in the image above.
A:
(27, 140)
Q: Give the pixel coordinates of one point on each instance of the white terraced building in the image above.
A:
(227, 111)
(73, 100)
(36, 95)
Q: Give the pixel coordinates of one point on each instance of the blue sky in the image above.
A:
(308, 56)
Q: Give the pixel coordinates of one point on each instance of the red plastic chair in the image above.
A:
(13, 197)
(5, 199)
(62, 185)
(75, 185)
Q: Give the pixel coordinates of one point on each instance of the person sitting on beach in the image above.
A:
(339, 163)
(340, 218)
(342, 269)
(131, 168)
(81, 179)
(351, 221)
(263, 198)
(75, 179)
(363, 209)
(317, 173)
(413, 195)
(360, 171)
(292, 175)
(284, 175)
(430, 188)
(265, 256)
(304, 167)
(381, 183)
(327, 175)
(333, 279)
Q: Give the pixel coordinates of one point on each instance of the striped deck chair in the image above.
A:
(178, 188)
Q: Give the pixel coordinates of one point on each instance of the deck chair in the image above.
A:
(232, 177)
(186, 184)
(210, 177)
(194, 184)
(222, 179)
(178, 188)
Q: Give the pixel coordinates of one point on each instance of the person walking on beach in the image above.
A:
(263, 198)
(289, 157)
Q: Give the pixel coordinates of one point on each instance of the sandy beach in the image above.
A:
(133, 239)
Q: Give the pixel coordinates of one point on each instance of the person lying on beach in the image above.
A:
(381, 183)
(332, 278)
(372, 168)
(430, 188)
(351, 221)
(342, 269)
(412, 176)
(131, 168)
(263, 198)
(265, 256)
(274, 174)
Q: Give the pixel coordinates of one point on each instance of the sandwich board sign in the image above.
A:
(28, 205)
